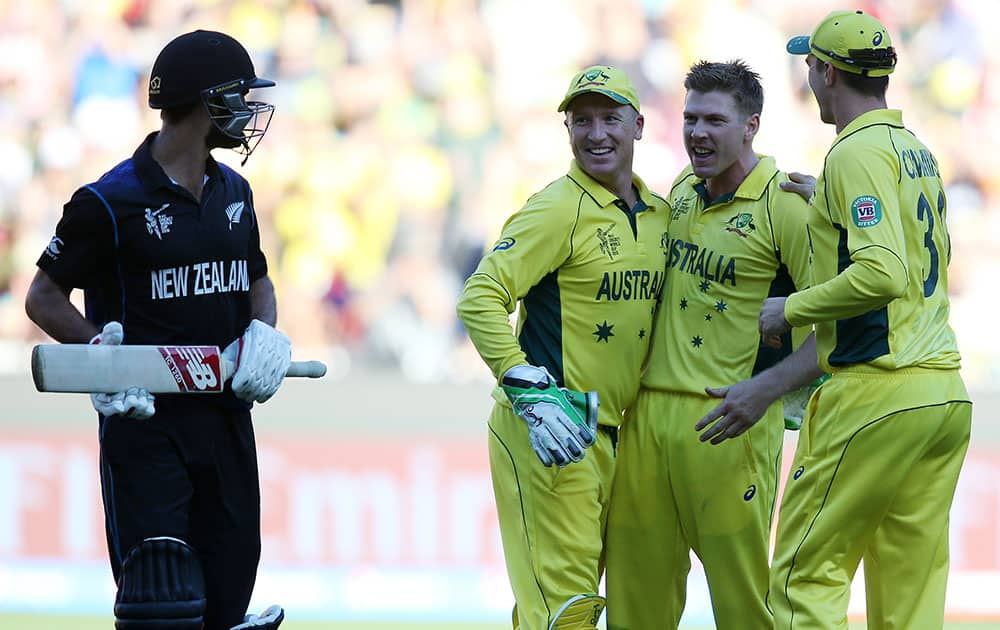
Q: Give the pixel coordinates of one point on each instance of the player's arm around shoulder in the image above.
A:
(534, 242)
(790, 218)
(860, 199)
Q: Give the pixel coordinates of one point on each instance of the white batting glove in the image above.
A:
(134, 402)
(262, 358)
(270, 619)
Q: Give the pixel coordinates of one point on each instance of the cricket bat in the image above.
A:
(85, 368)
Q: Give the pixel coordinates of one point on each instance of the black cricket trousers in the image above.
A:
(190, 472)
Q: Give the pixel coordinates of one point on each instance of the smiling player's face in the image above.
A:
(602, 133)
(716, 133)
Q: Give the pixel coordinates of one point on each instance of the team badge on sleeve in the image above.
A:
(866, 211)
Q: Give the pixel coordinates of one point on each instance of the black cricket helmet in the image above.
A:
(214, 69)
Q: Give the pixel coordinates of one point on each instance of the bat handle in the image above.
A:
(307, 369)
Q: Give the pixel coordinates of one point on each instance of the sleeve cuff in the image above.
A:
(793, 310)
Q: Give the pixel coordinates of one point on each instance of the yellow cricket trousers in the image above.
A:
(873, 477)
(673, 494)
(552, 520)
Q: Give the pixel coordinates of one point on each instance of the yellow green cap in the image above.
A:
(852, 41)
(610, 82)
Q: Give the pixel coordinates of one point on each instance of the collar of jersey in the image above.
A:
(151, 174)
(602, 195)
(891, 117)
(752, 187)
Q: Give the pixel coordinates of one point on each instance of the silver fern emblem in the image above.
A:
(234, 211)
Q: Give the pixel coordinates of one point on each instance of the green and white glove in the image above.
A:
(562, 423)
(796, 402)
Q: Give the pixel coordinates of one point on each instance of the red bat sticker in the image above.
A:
(195, 368)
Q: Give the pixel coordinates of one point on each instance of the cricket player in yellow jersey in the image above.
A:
(883, 440)
(735, 237)
(584, 259)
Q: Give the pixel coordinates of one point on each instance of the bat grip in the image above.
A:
(306, 369)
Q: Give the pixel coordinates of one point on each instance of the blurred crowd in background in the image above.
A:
(406, 132)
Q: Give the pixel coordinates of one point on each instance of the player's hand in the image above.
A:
(134, 402)
(743, 404)
(562, 423)
(772, 323)
(262, 358)
(270, 619)
(804, 185)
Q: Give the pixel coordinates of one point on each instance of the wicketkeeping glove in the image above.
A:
(262, 358)
(270, 619)
(796, 401)
(134, 402)
(562, 423)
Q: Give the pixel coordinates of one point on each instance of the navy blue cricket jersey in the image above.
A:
(146, 253)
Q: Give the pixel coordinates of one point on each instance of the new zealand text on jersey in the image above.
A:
(701, 262)
(217, 276)
(632, 284)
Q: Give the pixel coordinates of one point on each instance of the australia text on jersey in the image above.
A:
(218, 276)
(631, 284)
(701, 262)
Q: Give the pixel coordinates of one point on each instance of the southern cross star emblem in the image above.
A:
(603, 332)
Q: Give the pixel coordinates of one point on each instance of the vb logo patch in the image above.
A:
(866, 211)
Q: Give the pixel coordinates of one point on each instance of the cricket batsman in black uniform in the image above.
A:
(166, 248)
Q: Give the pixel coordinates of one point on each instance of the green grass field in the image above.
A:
(40, 622)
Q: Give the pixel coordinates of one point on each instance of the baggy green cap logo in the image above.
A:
(610, 82)
(741, 224)
(866, 211)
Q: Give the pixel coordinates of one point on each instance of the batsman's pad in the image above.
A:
(580, 612)
(562, 423)
(161, 586)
